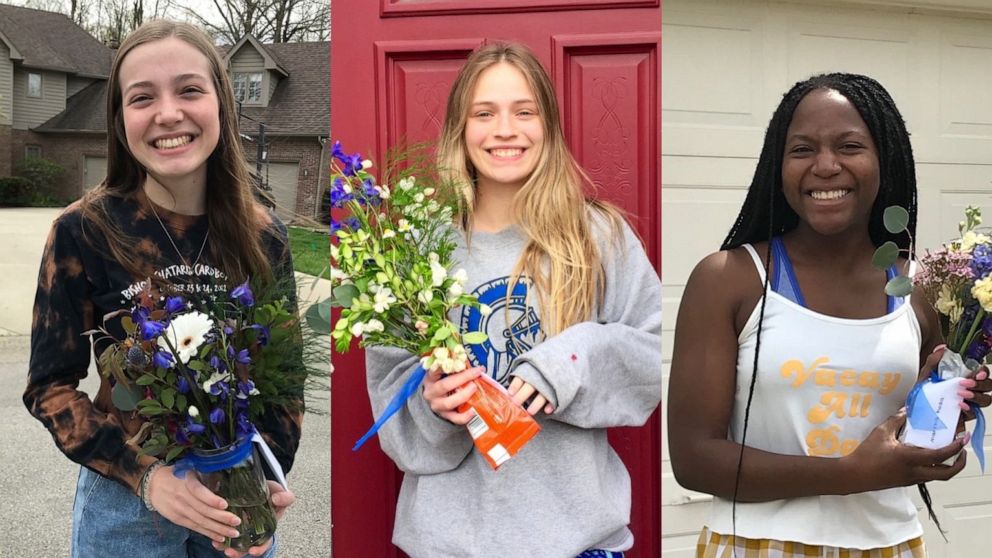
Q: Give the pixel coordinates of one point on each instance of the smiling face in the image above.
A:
(170, 109)
(830, 169)
(504, 132)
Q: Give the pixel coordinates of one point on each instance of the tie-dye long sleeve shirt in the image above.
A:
(78, 285)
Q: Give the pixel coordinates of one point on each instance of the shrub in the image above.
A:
(42, 173)
(15, 191)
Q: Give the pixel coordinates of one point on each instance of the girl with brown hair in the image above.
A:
(176, 211)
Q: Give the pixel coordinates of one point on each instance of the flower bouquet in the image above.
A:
(392, 279)
(192, 374)
(957, 281)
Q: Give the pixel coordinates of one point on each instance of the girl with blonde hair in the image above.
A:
(175, 210)
(574, 333)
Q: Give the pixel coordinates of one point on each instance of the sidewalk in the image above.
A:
(38, 482)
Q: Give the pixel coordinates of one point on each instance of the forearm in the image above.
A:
(710, 466)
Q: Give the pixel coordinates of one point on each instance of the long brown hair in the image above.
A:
(561, 259)
(234, 217)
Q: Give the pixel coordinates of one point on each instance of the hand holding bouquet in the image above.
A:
(957, 280)
(192, 373)
(392, 279)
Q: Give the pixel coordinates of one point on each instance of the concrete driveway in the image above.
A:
(38, 482)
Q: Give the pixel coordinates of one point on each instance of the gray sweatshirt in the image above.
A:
(567, 490)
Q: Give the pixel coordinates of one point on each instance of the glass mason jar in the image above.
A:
(234, 473)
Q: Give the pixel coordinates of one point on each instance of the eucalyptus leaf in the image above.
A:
(885, 255)
(319, 317)
(899, 286)
(125, 397)
(475, 337)
(896, 219)
(344, 295)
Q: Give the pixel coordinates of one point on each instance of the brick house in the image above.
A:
(53, 95)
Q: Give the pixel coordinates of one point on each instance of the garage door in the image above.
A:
(726, 65)
(283, 181)
(95, 171)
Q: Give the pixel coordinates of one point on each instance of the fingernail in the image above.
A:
(939, 347)
(966, 394)
(233, 534)
(982, 375)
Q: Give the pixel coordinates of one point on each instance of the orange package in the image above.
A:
(500, 427)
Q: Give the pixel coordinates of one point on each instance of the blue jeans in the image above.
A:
(108, 520)
(600, 554)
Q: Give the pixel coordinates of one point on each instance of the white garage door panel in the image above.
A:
(726, 65)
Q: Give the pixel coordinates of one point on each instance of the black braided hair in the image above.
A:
(766, 213)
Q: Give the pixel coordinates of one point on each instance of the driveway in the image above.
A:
(38, 482)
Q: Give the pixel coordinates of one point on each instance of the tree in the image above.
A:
(276, 21)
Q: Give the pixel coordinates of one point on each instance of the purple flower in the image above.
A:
(180, 436)
(139, 314)
(163, 359)
(243, 425)
(228, 330)
(217, 364)
(242, 293)
(174, 304)
(220, 388)
(194, 427)
(352, 163)
(243, 357)
(217, 415)
(150, 329)
(262, 335)
(182, 386)
(246, 386)
(981, 260)
(339, 196)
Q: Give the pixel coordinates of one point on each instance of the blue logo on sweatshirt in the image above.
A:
(512, 329)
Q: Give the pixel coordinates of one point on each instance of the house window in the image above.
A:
(248, 87)
(32, 151)
(34, 85)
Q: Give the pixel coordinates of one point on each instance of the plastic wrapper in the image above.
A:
(500, 427)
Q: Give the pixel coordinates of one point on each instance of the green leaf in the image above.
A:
(896, 219)
(885, 255)
(319, 317)
(344, 295)
(899, 286)
(181, 405)
(152, 411)
(168, 398)
(125, 397)
(146, 380)
(475, 337)
(198, 365)
(442, 334)
(173, 453)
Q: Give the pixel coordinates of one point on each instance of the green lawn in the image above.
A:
(311, 251)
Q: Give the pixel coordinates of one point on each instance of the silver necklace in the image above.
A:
(173, 242)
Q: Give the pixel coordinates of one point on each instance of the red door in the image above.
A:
(392, 63)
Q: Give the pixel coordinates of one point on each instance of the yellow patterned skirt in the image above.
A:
(715, 545)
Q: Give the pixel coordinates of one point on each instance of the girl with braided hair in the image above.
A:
(791, 366)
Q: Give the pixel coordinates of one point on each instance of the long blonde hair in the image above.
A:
(234, 217)
(561, 259)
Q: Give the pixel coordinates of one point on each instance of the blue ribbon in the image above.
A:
(210, 463)
(408, 389)
(922, 417)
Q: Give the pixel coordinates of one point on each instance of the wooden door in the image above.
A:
(392, 64)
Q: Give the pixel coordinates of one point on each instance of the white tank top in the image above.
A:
(823, 384)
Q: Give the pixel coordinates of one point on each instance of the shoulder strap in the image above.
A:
(758, 264)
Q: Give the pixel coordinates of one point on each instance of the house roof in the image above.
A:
(86, 111)
(301, 103)
(75, 51)
(270, 60)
